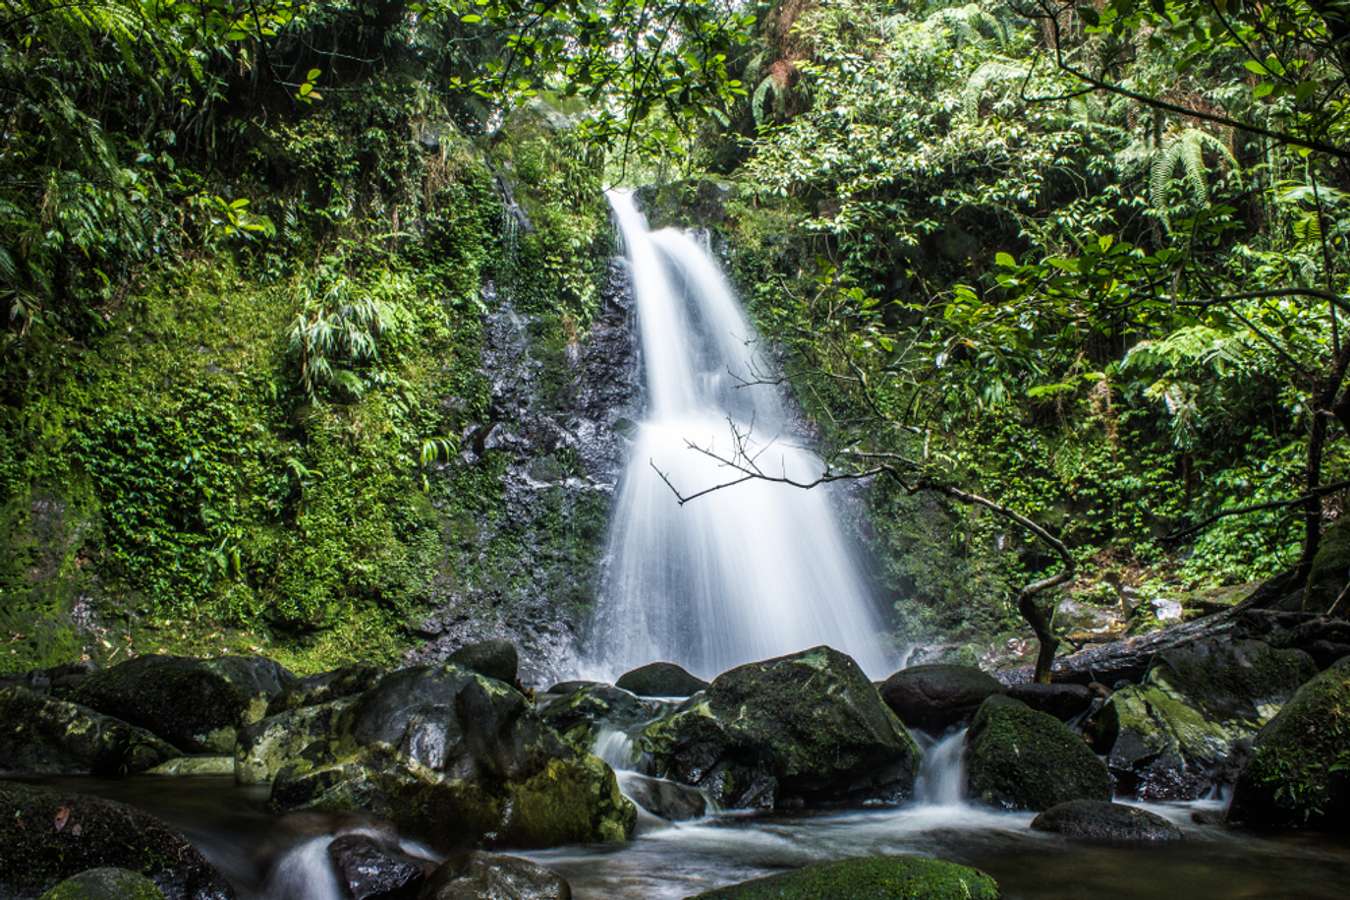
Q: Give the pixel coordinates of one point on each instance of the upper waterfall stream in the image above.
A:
(750, 572)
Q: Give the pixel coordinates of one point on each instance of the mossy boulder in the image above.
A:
(1019, 758)
(495, 658)
(41, 734)
(1299, 772)
(937, 696)
(1330, 569)
(868, 878)
(450, 755)
(803, 728)
(299, 739)
(476, 875)
(1099, 820)
(198, 705)
(105, 884)
(48, 835)
(580, 711)
(661, 679)
(195, 767)
(324, 687)
(1181, 732)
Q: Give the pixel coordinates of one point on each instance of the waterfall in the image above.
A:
(749, 572)
(942, 773)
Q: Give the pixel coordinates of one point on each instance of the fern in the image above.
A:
(1185, 150)
(992, 73)
(970, 23)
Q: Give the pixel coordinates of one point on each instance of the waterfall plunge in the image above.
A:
(746, 573)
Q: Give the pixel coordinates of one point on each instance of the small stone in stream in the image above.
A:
(48, 835)
(1018, 758)
(1099, 820)
(494, 658)
(105, 884)
(671, 801)
(1063, 701)
(477, 875)
(661, 679)
(937, 696)
(41, 734)
(371, 869)
(867, 878)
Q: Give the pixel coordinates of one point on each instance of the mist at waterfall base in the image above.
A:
(749, 572)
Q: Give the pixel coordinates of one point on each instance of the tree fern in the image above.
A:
(989, 74)
(1185, 150)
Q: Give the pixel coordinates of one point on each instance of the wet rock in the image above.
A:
(1181, 731)
(661, 679)
(299, 739)
(688, 203)
(1330, 572)
(195, 766)
(54, 680)
(1018, 758)
(453, 756)
(371, 869)
(494, 658)
(50, 835)
(937, 696)
(1097, 820)
(105, 884)
(661, 797)
(41, 734)
(197, 705)
(1299, 772)
(1083, 623)
(582, 713)
(803, 728)
(1063, 701)
(315, 689)
(474, 876)
(868, 878)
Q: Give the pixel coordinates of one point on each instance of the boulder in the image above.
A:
(803, 728)
(1330, 571)
(1099, 820)
(450, 755)
(661, 679)
(198, 705)
(495, 658)
(478, 875)
(304, 736)
(1084, 623)
(1063, 701)
(195, 767)
(1018, 758)
(47, 836)
(44, 735)
(661, 797)
(867, 878)
(581, 713)
(53, 680)
(937, 696)
(371, 869)
(1299, 771)
(1181, 731)
(105, 884)
(315, 689)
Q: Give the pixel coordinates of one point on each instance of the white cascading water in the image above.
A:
(942, 772)
(746, 573)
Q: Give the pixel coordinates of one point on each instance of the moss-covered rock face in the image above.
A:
(869, 878)
(808, 727)
(446, 753)
(198, 705)
(1096, 820)
(47, 836)
(106, 884)
(1018, 758)
(49, 736)
(934, 697)
(1299, 773)
(585, 708)
(495, 658)
(1331, 567)
(325, 687)
(1176, 735)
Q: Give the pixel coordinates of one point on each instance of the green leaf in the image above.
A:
(1005, 260)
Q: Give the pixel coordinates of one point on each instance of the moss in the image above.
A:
(106, 884)
(868, 878)
(1299, 773)
(1331, 567)
(1019, 758)
(43, 734)
(569, 801)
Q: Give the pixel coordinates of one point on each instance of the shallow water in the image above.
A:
(279, 858)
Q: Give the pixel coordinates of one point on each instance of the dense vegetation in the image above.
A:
(1086, 263)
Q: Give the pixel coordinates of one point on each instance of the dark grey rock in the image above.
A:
(1098, 820)
(1063, 701)
(661, 797)
(661, 679)
(495, 658)
(371, 869)
(937, 696)
(41, 734)
(492, 876)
